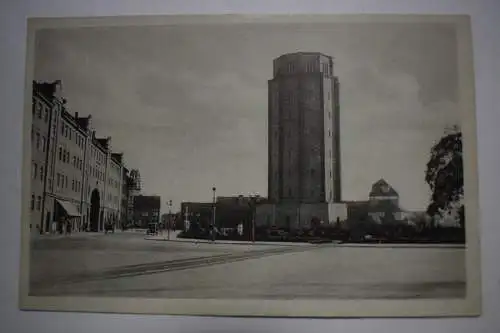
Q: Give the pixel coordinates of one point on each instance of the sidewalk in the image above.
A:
(76, 234)
(174, 238)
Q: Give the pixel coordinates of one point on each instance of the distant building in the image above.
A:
(75, 176)
(382, 205)
(230, 211)
(124, 197)
(197, 214)
(146, 209)
(134, 189)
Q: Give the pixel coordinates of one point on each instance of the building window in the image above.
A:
(37, 140)
(38, 203)
(34, 171)
(41, 173)
(44, 142)
(70, 131)
(329, 132)
(74, 161)
(67, 157)
(73, 185)
(66, 181)
(60, 153)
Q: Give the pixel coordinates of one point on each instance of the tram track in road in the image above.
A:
(170, 265)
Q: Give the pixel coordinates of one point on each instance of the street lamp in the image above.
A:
(169, 222)
(253, 204)
(213, 213)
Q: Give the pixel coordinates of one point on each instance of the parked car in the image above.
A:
(277, 235)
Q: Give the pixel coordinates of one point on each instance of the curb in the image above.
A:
(336, 244)
(229, 243)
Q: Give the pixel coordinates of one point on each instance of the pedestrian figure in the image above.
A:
(212, 233)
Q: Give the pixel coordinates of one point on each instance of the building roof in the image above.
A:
(104, 142)
(46, 89)
(305, 53)
(83, 122)
(381, 188)
(117, 157)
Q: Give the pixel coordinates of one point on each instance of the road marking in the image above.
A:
(168, 266)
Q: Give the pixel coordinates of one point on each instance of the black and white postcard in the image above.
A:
(235, 165)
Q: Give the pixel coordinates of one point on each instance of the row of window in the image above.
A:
(311, 67)
(38, 140)
(40, 111)
(65, 157)
(97, 154)
(63, 182)
(36, 204)
(37, 172)
(96, 173)
(68, 132)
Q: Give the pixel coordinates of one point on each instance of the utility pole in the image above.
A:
(213, 213)
(169, 222)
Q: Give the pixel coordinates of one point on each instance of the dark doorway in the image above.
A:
(95, 207)
(101, 221)
(47, 222)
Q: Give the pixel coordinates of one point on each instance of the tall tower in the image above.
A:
(304, 131)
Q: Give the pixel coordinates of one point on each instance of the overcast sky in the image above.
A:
(188, 104)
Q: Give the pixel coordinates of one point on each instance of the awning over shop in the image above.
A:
(69, 207)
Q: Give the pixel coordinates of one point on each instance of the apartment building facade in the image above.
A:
(75, 176)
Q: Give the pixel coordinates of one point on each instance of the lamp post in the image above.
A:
(253, 205)
(169, 222)
(213, 213)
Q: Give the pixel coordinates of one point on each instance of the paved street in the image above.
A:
(125, 264)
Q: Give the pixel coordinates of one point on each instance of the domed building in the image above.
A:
(382, 205)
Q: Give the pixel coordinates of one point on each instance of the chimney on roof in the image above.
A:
(76, 115)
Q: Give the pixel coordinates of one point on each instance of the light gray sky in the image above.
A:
(188, 104)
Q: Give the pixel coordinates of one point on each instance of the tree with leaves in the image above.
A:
(444, 174)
